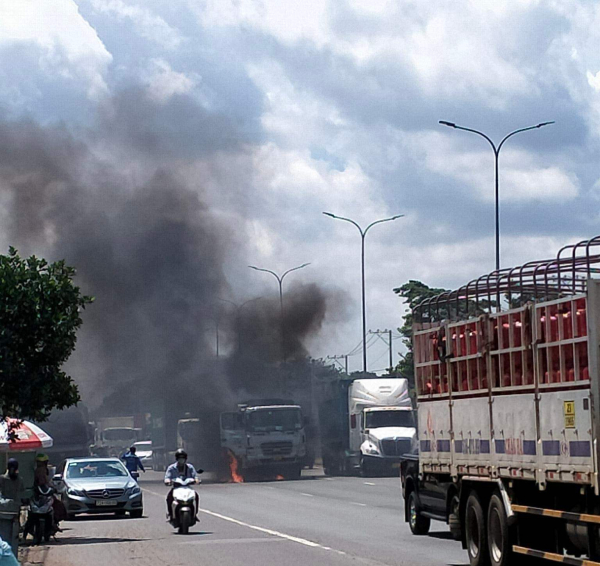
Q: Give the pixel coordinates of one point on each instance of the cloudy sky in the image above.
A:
(280, 110)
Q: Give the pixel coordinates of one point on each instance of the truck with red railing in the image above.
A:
(508, 382)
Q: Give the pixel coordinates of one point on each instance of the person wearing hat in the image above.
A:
(11, 485)
(41, 475)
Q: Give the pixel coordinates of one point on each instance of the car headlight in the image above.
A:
(75, 492)
(135, 490)
(372, 449)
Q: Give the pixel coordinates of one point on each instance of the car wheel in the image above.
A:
(418, 524)
(475, 532)
(137, 514)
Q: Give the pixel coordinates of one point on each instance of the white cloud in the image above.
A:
(69, 47)
(594, 80)
(146, 23)
(163, 82)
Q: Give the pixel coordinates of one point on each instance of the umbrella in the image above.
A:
(27, 437)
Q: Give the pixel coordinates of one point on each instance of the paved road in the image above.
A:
(316, 520)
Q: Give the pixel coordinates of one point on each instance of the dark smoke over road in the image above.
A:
(118, 201)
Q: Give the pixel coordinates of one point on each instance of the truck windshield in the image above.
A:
(264, 420)
(112, 434)
(379, 419)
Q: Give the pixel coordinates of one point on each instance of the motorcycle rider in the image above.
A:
(41, 478)
(133, 462)
(179, 469)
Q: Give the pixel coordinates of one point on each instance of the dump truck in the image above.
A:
(266, 437)
(366, 425)
(508, 382)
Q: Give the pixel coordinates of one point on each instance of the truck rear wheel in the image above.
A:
(418, 524)
(475, 532)
(499, 539)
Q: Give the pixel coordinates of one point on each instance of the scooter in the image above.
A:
(184, 508)
(40, 521)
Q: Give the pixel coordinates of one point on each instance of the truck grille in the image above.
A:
(105, 493)
(395, 447)
(276, 448)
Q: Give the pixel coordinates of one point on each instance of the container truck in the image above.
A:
(265, 437)
(508, 381)
(366, 425)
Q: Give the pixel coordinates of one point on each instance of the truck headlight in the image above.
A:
(372, 449)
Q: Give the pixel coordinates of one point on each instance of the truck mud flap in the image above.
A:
(554, 557)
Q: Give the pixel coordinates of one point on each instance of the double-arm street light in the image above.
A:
(239, 308)
(363, 234)
(280, 279)
(496, 149)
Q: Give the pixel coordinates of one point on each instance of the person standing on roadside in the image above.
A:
(11, 484)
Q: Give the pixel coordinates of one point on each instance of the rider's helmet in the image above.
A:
(41, 458)
(132, 450)
(12, 464)
(180, 453)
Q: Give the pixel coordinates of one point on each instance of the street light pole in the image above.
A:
(280, 281)
(496, 150)
(363, 234)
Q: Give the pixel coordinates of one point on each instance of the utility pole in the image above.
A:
(340, 357)
(379, 334)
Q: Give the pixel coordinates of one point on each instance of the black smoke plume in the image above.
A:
(117, 201)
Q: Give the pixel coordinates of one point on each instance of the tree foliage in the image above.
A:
(39, 316)
(413, 293)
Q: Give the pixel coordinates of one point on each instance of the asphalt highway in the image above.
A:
(315, 520)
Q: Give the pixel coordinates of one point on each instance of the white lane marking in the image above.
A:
(307, 495)
(329, 479)
(234, 541)
(299, 540)
(369, 483)
(359, 504)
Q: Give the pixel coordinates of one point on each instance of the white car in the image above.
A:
(143, 450)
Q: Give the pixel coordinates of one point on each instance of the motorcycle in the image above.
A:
(184, 508)
(40, 520)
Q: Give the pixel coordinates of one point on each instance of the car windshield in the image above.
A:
(118, 434)
(379, 419)
(143, 446)
(95, 469)
(264, 420)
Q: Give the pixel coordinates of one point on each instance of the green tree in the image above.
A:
(413, 293)
(39, 316)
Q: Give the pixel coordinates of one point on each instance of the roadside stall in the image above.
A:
(22, 442)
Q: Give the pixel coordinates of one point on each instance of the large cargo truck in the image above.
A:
(508, 380)
(116, 434)
(366, 426)
(265, 437)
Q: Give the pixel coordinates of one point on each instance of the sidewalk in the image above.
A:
(32, 555)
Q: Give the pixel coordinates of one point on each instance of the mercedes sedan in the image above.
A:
(98, 485)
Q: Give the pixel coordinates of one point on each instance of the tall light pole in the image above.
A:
(280, 281)
(363, 234)
(496, 149)
(238, 311)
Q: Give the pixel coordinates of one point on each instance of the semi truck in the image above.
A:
(508, 382)
(366, 425)
(266, 437)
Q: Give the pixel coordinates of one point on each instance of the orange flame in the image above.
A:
(236, 477)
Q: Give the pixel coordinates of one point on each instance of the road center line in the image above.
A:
(369, 483)
(307, 495)
(299, 540)
(359, 504)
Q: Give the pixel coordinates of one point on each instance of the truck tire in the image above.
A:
(418, 524)
(365, 469)
(499, 536)
(454, 518)
(475, 532)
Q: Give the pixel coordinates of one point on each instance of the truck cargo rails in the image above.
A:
(508, 382)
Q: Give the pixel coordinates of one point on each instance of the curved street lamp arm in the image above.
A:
(383, 220)
(266, 271)
(496, 149)
(522, 130)
(294, 269)
(228, 301)
(248, 301)
(346, 220)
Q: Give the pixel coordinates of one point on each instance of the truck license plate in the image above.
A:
(106, 503)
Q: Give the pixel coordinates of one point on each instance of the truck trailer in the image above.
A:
(366, 425)
(508, 382)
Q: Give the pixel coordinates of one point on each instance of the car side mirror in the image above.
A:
(57, 477)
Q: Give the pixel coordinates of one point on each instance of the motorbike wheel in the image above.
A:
(184, 522)
(39, 531)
